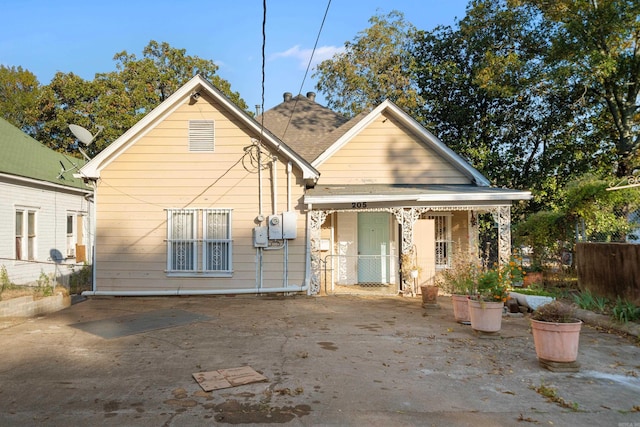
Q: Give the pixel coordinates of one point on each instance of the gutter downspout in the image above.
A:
(274, 184)
(93, 226)
(289, 186)
(307, 258)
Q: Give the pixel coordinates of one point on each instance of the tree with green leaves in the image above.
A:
(489, 97)
(19, 92)
(596, 50)
(588, 211)
(115, 100)
(375, 66)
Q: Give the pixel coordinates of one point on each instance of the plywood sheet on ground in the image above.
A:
(226, 378)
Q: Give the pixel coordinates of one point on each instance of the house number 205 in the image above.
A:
(357, 205)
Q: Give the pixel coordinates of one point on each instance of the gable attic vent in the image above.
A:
(201, 135)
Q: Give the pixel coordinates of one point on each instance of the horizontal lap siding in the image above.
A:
(158, 172)
(387, 152)
(51, 208)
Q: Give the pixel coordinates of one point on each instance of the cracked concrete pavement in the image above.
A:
(328, 361)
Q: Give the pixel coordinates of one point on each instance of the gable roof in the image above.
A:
(28, 159)
(342, 135)
(303, 124)
(197, 84)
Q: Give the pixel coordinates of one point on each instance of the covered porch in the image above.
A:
(359, 234)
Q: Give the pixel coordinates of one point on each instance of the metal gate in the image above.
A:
(342, 274)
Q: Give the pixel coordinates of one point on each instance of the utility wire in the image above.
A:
(264, 42)
(308, 67)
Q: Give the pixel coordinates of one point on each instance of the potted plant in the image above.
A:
(459, 281)
(556, 332)
(486, 306)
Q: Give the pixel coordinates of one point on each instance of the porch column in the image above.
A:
(407, 218)
(316, 219)
(502, 215)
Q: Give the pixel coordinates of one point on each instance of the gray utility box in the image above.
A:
(283, 226)
(260, 237)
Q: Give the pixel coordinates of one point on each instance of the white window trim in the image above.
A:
(199, 244)
(71, 238)
(24, 245)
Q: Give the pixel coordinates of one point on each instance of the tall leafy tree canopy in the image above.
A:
(596, 50)
(376, 66)
(19, 92)
(501, 89)
(114, 101)
(488, 95)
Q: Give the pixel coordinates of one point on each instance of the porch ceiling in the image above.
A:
(453, 193)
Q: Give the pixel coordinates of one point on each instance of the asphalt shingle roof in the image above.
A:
(304, 125)
(25, 157)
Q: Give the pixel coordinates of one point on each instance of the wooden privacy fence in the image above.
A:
(609, 270)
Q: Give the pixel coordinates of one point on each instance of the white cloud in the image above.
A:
(303, 55)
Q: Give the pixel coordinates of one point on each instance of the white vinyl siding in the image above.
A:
(199, 241)
(201, 135)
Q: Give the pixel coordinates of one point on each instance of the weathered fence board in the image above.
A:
(609, 270)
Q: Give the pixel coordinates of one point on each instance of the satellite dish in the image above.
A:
(82, 134)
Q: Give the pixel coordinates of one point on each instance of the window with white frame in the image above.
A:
(443, 239)
(199, 241)
(201, 135)
(25, 245)
(71, 235)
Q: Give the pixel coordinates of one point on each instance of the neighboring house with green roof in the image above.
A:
(45, 211)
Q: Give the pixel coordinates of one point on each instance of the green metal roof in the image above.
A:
(25, 157)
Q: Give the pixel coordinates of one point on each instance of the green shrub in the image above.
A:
(5, 282)
(587, 301)
(625, 311)
(536, 289)
(45, 288)
(81, 280)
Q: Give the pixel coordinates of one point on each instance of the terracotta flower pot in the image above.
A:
(429, 294)
(556, 342)
(486, 316)
(460, 308)
(533, 277)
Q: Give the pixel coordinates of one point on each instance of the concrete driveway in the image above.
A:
(328, 361)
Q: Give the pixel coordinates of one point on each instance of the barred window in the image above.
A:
(443, 240)
(199, 241)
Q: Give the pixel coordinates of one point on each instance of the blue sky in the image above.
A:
(82, 37)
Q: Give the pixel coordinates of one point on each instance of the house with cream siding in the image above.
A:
(387, 187)
(45, 211)
(201, 198)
